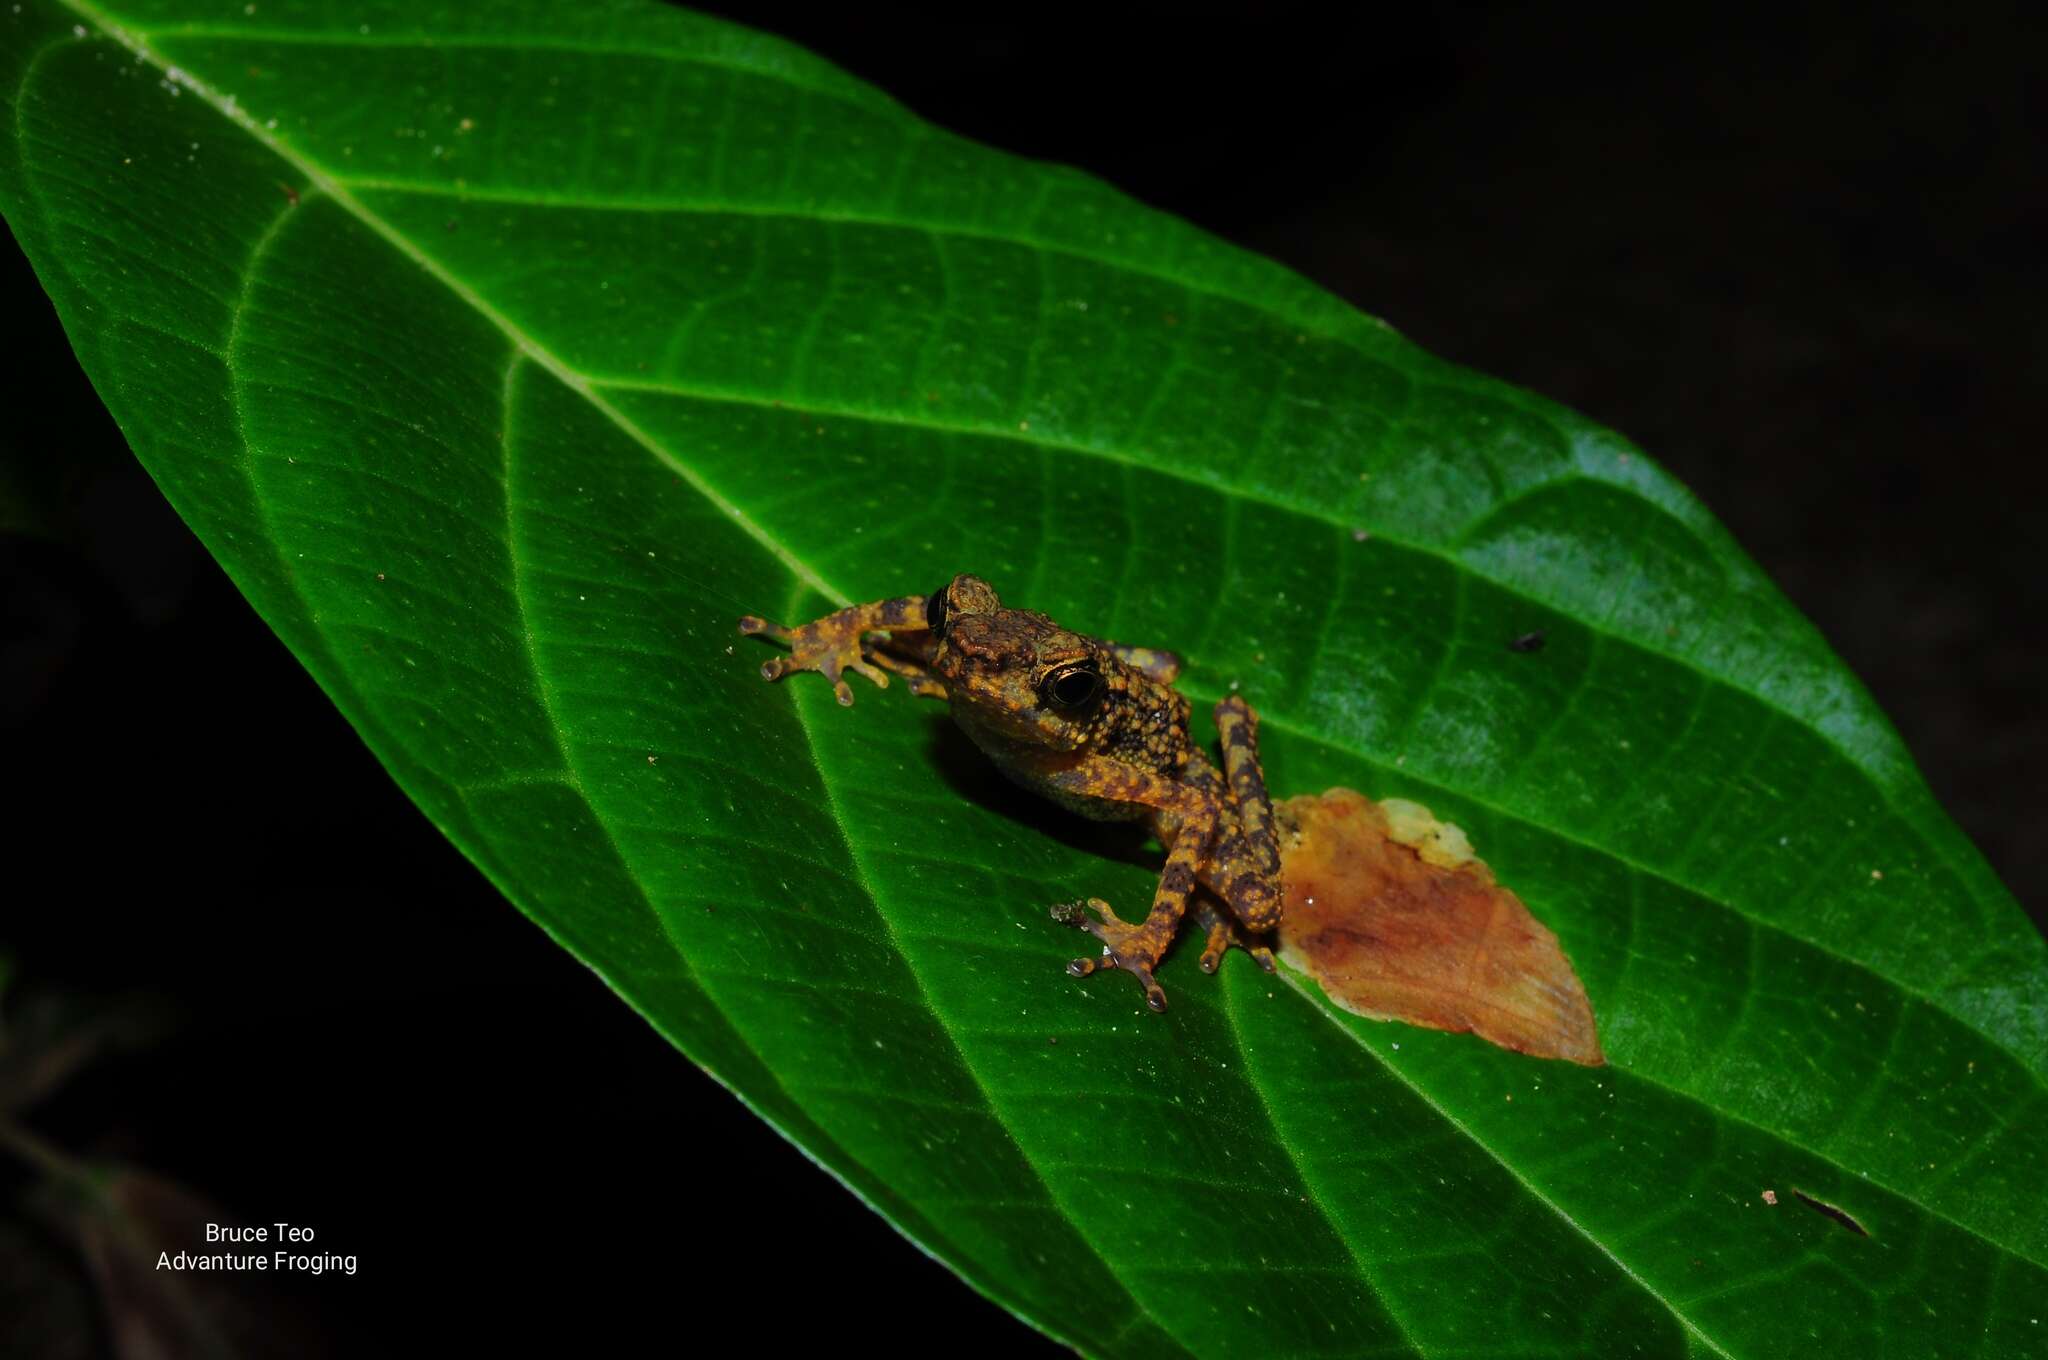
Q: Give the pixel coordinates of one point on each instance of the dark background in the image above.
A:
(1797, 255)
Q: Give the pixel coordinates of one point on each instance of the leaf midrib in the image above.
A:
(338, 189)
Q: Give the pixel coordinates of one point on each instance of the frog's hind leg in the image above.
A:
(1232, 874)
(1246, 873)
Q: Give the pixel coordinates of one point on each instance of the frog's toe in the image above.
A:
(1094, 916)
(834, 665)
(1220, 942)
(775, 667)
(1133, 949)
(1155, 995)
(841, 691)
(1076, 913)
(1221, 933)
(752, 627)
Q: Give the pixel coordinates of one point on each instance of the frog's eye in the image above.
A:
(935, 613)
(1072, 687)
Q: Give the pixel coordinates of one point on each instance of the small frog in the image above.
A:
(1094, 725)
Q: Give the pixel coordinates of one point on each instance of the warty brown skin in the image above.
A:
(1096, 726)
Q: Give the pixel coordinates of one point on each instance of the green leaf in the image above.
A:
(506, 353)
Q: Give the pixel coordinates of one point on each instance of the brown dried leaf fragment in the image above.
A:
(1392, 913)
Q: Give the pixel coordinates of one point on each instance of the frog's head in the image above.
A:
(1011, 671)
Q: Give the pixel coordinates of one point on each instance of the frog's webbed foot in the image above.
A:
(1221, 934)
(830, 646)
(1135, 949)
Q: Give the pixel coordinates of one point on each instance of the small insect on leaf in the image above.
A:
(1396, 917)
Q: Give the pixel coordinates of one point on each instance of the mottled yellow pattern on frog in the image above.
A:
(1096, 726)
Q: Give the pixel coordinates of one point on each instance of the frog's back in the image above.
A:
(1145, 721)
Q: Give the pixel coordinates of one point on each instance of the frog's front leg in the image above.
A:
(1137, 948)
(834, 644)
(921, 681)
